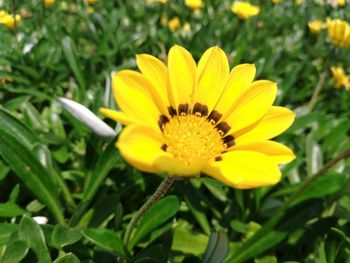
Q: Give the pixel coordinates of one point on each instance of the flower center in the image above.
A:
(194, 137)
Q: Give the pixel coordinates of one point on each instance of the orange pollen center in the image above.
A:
(193, 139)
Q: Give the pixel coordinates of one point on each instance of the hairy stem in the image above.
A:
(158, 194)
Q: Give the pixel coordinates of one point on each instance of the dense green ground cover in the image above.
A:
(53, 166)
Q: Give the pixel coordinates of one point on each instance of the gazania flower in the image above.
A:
(174, 24)
(339, 32)
(244, 10)
(316, 26)
(157, 1)
(91, 2)
(194, 4)
(186, 118)
(276, 2)
(339, 78)
(48, 2)
(9, 20)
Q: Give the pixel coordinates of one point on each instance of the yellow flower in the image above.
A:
(341, 2)
(244, 10)
(194, 4)
(298, 2)
(316, 26)
(157, 1)
(90, 10)
(339, 78)
(184, 119)
(9, 20)
(48, 2)
(339, 33)
(91, 2)
(174, 24)
(277, 1)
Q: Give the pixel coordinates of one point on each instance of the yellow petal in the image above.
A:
(244, 170)
(157, 73)
(252, 104)
(274, 122)
(212, 75)
(131, 91)
(140, 146)
(173, 167)
(240, 78)
(182, 74)
(277, 152)
(117, 116)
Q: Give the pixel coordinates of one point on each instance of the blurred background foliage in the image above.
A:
(53, 168)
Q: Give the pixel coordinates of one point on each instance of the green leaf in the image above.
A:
(158, 214)
(30, 231)
(218, 248)
(189, 242)
(67, 258)
(28, 168)
(11, 210)
(193, 200)
(70, 52)
(276, 230)
(108, 158)
(63, 236)
(325, 185)
(106, 239)
(5, 232)
(15, 251)
(155, 254)
(13, 125)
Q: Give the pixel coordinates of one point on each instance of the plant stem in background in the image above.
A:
(317, 90)
(317, 175)
(158, 194)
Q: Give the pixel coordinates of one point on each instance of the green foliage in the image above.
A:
(52, 166)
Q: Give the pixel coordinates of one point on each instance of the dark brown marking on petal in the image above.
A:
(223, 128)
(172, 111)
(229, 141)
(218, 158)
(183, 109)
(214, 117)
(200, 110)
(162, 121)
(164, 147)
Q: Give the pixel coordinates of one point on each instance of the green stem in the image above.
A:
(317, 90)
(158, 194)
(317, 175)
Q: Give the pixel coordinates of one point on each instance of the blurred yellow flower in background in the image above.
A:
(339, 33)
(90, 2)
(244, 10)
(157, 1)
(48, 2)
(185, 118)
(9, 20)
(298, 2)
(339, 78)
(194, 4)
(341, 2)
(174, 24)
(316, 26)
(277, 1)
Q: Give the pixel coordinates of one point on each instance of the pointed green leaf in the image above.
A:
(67, 258)
(30, 231)
(5, 232)
(15, 251)
(106, 239)
(63, 236)
(158, 214)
